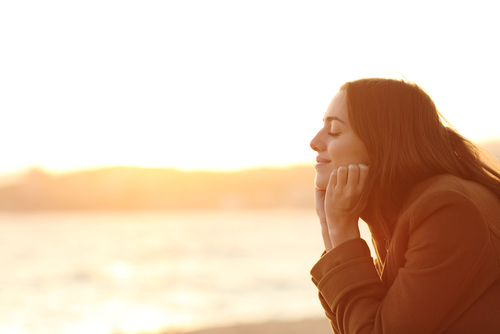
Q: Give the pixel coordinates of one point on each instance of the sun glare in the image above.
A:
(171, 84)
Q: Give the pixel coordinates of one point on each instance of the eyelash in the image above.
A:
(333, 134)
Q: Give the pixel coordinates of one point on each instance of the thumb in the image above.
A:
(319, 195)
(320, 202)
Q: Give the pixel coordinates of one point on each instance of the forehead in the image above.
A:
(337, 108)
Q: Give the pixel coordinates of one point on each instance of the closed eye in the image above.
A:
(336, 134)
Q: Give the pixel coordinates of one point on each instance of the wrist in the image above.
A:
(341, 233)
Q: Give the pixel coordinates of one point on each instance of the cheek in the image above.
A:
(362, 154)
(339, 153)
(346, 152)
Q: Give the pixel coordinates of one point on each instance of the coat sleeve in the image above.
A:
(447, 238)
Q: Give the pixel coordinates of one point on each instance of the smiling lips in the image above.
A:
(321, 161)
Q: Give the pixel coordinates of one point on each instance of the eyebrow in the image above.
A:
(334, 118)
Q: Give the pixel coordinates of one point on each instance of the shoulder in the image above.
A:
(445, 183)
(450, 193)
(448, 216)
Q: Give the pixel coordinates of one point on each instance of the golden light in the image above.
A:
(205, 87)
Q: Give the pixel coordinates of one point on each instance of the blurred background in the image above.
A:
(155, 171)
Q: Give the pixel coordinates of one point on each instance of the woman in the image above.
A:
(432, 207)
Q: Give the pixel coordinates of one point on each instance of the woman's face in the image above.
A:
(336, 143)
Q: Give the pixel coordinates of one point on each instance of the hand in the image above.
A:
(320, 211)
(342, 195)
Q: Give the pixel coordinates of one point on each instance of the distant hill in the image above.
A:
(130, 188)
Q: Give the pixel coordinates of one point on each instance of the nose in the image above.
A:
(316, 143)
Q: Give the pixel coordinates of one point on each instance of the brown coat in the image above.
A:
(439, 274)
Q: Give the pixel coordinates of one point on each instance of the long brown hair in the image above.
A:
(407, 140)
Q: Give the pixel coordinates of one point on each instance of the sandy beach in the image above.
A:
(310, 326)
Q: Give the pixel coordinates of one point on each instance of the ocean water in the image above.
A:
(166, 271)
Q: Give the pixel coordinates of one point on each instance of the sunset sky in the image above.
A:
(224, 84)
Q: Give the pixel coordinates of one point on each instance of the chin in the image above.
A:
(320, 183)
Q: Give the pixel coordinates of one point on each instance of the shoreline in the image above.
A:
(306, 326)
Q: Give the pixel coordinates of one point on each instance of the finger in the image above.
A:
(363, 175)
(353, 176)
(333, 179)
(342, 177)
